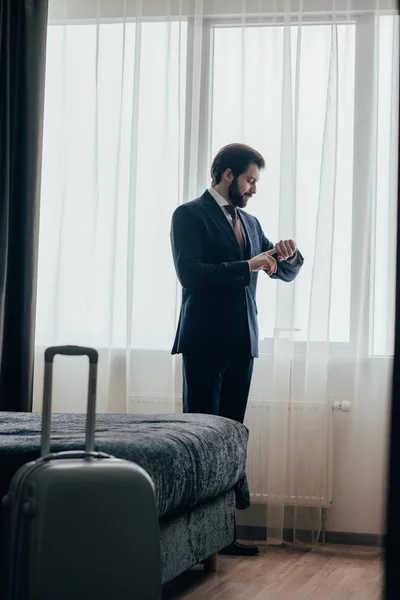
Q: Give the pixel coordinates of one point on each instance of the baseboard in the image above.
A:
(250, 532)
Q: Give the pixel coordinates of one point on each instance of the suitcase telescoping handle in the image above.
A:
(49, 355)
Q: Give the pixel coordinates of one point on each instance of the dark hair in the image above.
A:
(238, 158)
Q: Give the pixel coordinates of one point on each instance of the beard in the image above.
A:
(237, 199)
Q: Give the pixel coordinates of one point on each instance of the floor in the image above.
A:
(282, 573)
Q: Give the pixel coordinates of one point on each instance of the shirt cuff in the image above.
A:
(293, 260)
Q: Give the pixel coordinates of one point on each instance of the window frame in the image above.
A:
(200, 28)
(365, 24)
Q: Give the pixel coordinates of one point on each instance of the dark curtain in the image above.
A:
(392, 537)
(23, 29)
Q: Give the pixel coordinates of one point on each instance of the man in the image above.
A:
(218, 250)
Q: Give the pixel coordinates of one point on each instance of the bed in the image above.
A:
(197, 463)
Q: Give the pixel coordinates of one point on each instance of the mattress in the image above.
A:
(191, 458)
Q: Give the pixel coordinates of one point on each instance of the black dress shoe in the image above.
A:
(238, 549)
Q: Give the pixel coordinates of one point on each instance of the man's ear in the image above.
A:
(228, 175)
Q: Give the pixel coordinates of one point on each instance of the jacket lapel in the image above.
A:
(216, 212)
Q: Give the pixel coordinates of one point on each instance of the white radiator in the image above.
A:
(298, 437)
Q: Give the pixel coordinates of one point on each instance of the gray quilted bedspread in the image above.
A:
(191, 458)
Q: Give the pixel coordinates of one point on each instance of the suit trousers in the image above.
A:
(217, 385)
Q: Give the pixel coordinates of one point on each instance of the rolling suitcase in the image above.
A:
(80, 525)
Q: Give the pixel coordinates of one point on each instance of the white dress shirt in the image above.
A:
(221, 202)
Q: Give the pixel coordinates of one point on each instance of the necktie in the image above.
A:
(237, 228)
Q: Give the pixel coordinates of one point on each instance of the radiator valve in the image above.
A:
(342, 406)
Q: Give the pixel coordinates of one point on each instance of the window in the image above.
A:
(115, 90)
(253, 79)
(93, 128)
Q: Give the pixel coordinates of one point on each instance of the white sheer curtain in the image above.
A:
(139, 97)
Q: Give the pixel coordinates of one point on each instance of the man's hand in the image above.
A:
(285, 249)
(264, 261)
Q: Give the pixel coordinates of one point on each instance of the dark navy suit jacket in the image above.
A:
(219, 311)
